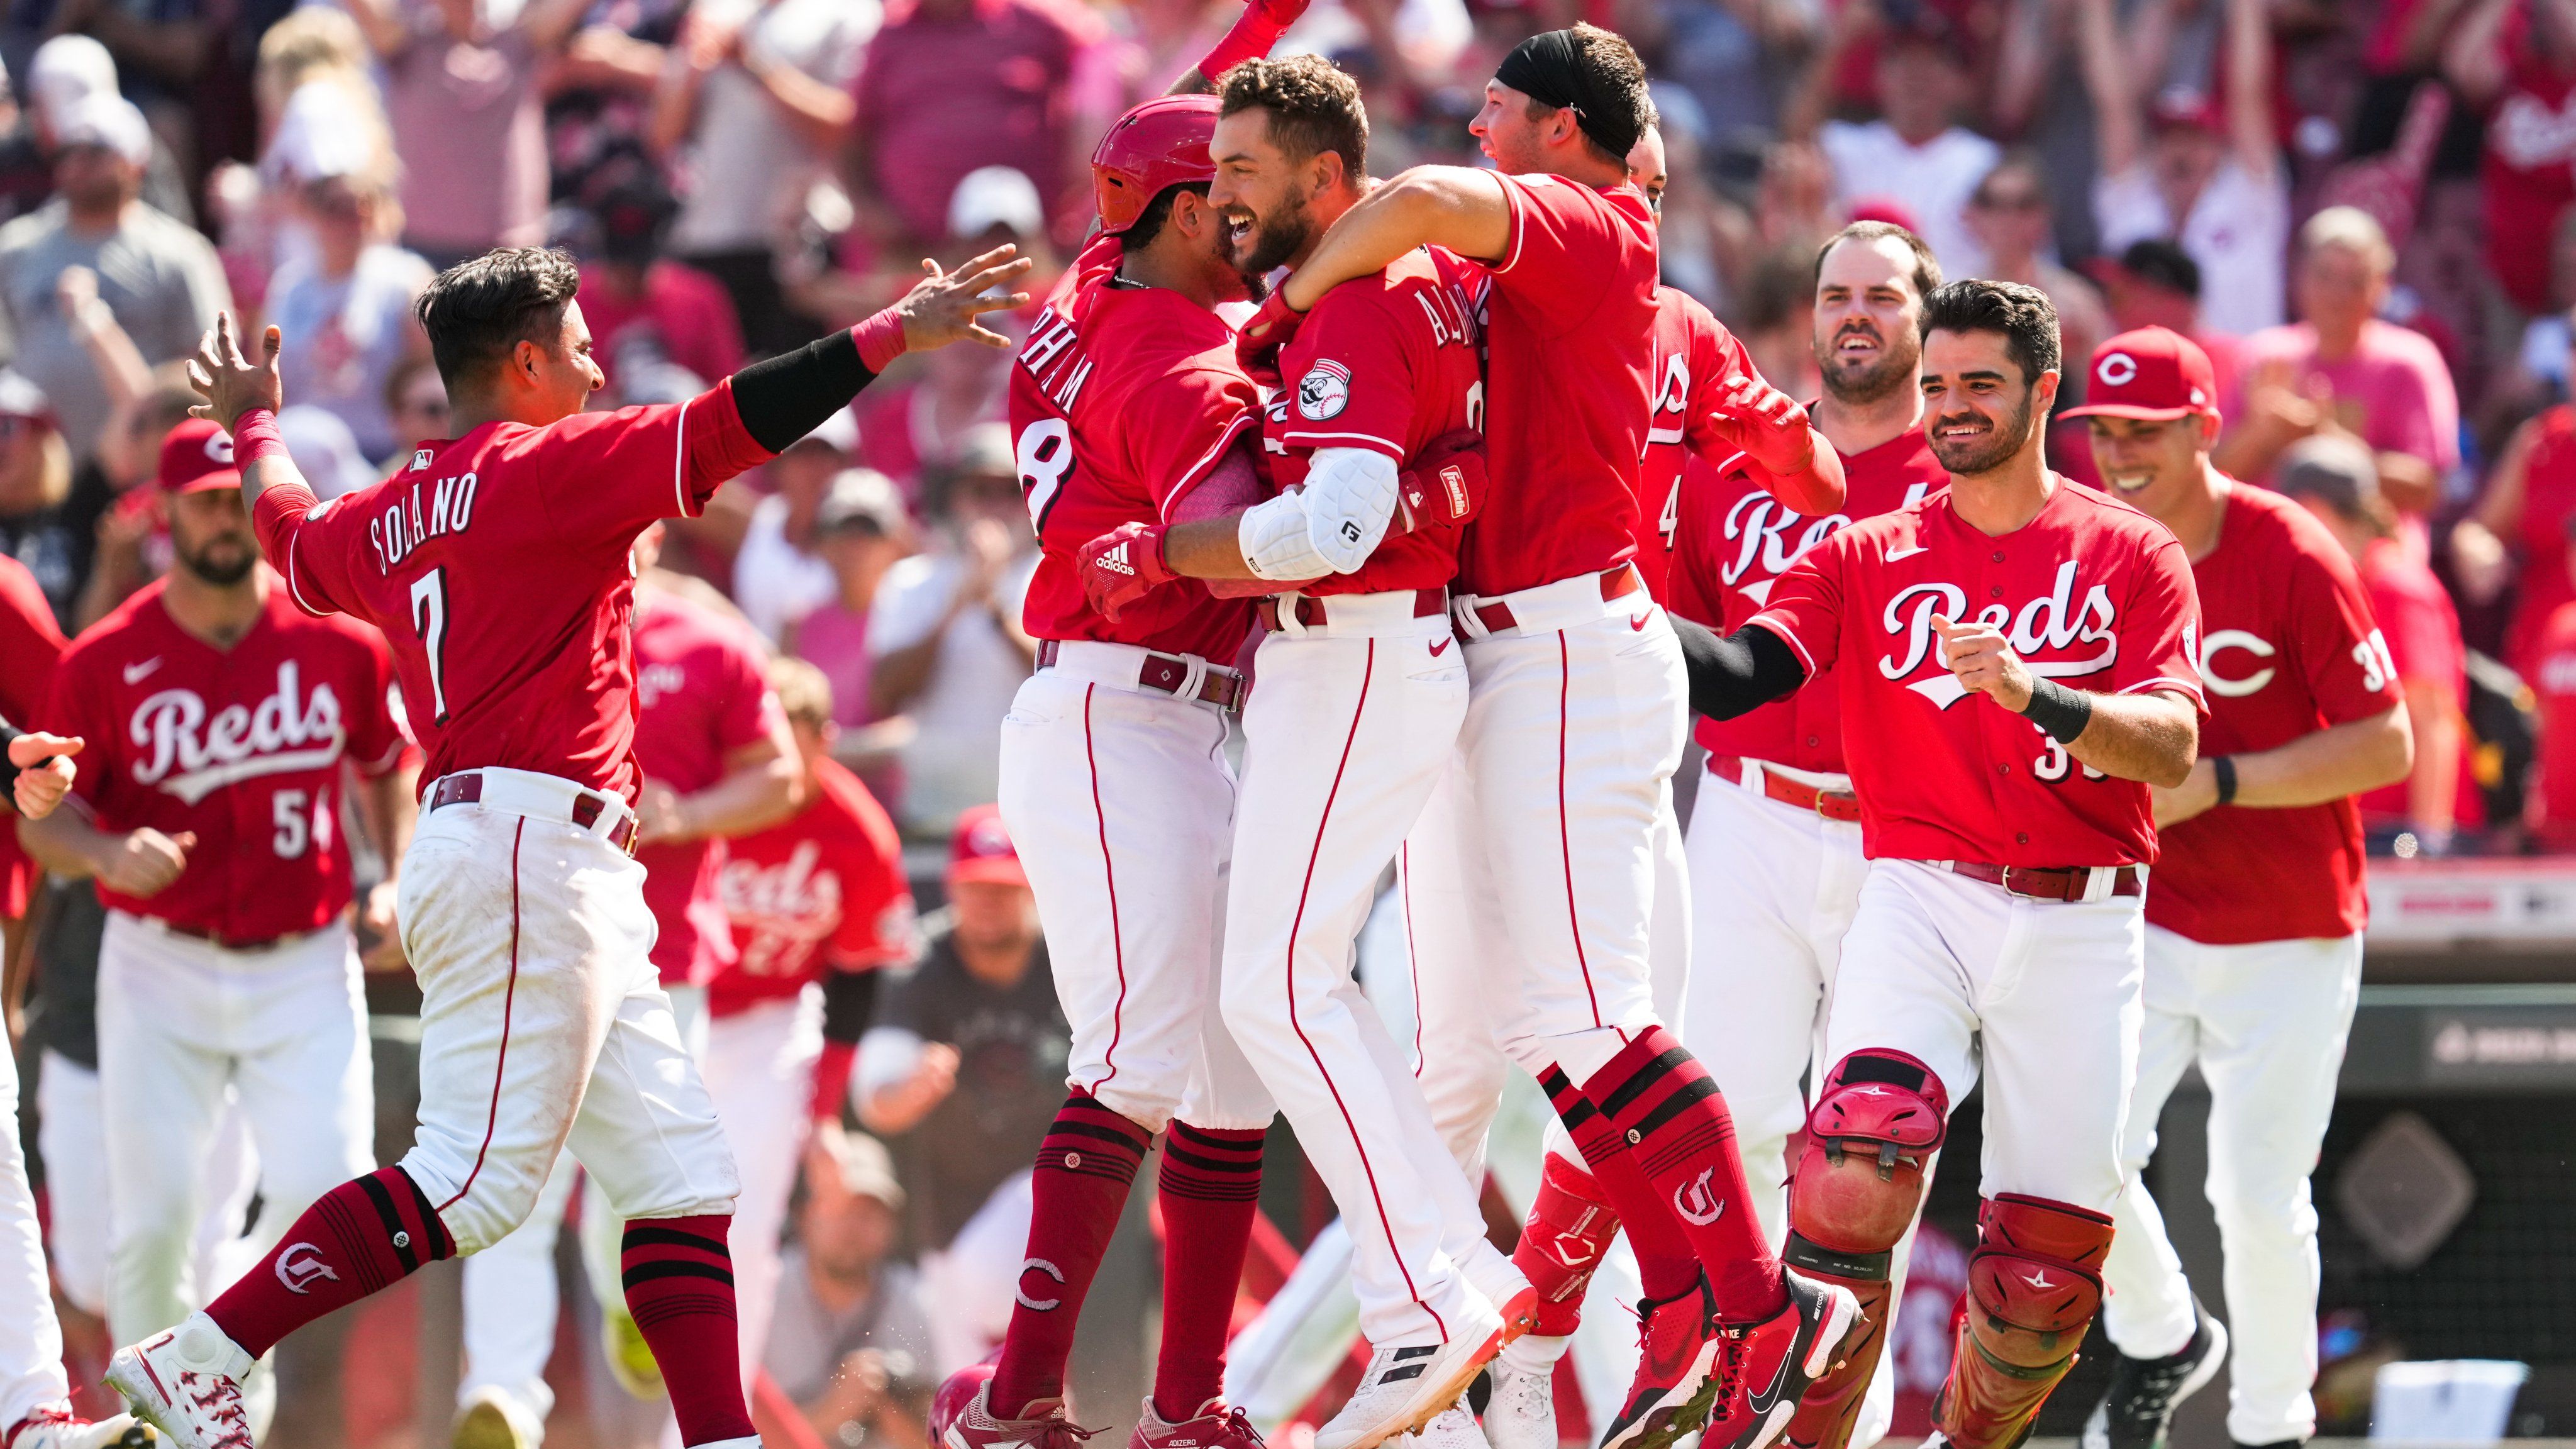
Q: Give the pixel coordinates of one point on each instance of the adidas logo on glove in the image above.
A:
(1116, 561)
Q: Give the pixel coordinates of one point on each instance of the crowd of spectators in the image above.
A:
(2365, 210)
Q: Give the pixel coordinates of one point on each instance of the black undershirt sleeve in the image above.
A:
(783, 398)
(1739, 673)
(8, 769)
(849, 1004)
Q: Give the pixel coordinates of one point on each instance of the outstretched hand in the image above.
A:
(230, 383)
(942, 307)
(45, 772)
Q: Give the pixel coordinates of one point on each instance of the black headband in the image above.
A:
(1549, 69)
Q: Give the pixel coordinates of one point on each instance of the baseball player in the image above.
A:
(2254, 928)
(1575, 712)
(717, 761)
(499, 565)
(1775, 862)
(36, 772)
(30, 642)
(1127, 407)
(1999, 928)
(226, 727)
(1371, 445)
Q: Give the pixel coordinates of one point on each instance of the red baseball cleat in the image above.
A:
(1216, 1426)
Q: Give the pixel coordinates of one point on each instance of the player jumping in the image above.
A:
(498, 566)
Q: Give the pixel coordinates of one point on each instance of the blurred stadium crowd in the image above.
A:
(2365, 210)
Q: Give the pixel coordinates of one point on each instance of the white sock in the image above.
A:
(1531, 1354)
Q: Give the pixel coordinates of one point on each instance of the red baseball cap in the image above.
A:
(2153, 374)
(982, 849)
(198, 457)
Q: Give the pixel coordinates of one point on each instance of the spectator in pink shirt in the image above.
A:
(950, 86)
(2343, 369)
(861, 530)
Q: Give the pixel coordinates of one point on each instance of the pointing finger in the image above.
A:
(272, 341)
(993, 258)
(996, 302)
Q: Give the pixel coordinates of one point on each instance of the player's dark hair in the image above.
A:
(1927, 268)
(476, 313)
(1149, 222)
(1314, 107)
(2022, 314)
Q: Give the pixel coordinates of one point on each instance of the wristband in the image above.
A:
(2224, 766)
(880, 339)
(2061, 713)
(255, 436)
(1253, 35)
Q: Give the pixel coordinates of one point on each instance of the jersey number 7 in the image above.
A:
(429, 618)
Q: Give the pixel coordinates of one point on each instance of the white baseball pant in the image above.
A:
(31, 1340)
(1773, 890)
(2043, 994)
(512, 1298)
(180, 1020)
(1121, 803)
(760, 1071)
(1354, 721)
(543, 1022)
(71, 1135)
(2266, 1024)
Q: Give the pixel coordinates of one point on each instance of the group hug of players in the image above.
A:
(1509, 515)
(1459, 465)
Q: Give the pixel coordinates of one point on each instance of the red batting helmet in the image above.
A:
(1163, 142)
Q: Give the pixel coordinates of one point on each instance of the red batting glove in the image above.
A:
(1254, 33)
(1445, 486)
(1256, 346)
(1121, 566)
(1776, 434)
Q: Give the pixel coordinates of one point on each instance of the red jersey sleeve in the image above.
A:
(1358, 387)
(1179, 429)
(30, 643)
(311, 543)
(1806, 603)
(1717, 358)
(377, 739)
(614, 473)
(76, 706)
(2337, 644)
(1566, 251)
(2159, 628)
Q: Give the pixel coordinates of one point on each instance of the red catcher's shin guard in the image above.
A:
(1211, 1187)
(1666, 1108)
(1084, 1168)
(678, 1276)
(2034, 1284)
(1878, 1120)
(359, 1237)
(1571, 1224)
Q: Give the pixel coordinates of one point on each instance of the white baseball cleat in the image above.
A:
(186, 1382)
(1451, 1428)
(493, 1418)
(55, 1428)
(1522, 1412)
(1408, 1384)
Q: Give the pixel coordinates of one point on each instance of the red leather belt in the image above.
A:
(1315, 613)
(1618, 583)
(2044, 884)
(1832, 804)
(1170, 674)
(465, 787)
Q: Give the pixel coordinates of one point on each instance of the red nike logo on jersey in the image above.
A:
(1439, 647)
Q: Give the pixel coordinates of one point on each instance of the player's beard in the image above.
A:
(1982, 452)
(1279, 236)
(1874, 382)
(215, 563)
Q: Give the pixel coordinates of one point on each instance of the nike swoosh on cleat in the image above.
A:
(1762, 1403)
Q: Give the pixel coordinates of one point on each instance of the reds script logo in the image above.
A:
(2054, 621)
(1766, 536)
(299, 1265)
(1672, 399)
(192, 756)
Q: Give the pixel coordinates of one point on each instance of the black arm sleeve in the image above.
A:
(849, 1004)
(8, 768)
(1739, 673)
(783, 398)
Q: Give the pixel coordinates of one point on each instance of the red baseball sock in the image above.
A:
(1664, 1105)
(1084, 1168)
(679, 1285)
(1210, 1190)
(1666, 1266)
(358, 1238)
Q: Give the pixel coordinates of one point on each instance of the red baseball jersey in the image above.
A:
(702, 694)
(1695, 356)
(30, 642)
(1569, 346)
(2092, 593)
(2287, 648)
(1734, 540)
(1122, 400)
(1386, 363)
(822, 890)
(2553, 675)
(497, 566)
(244, 746)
